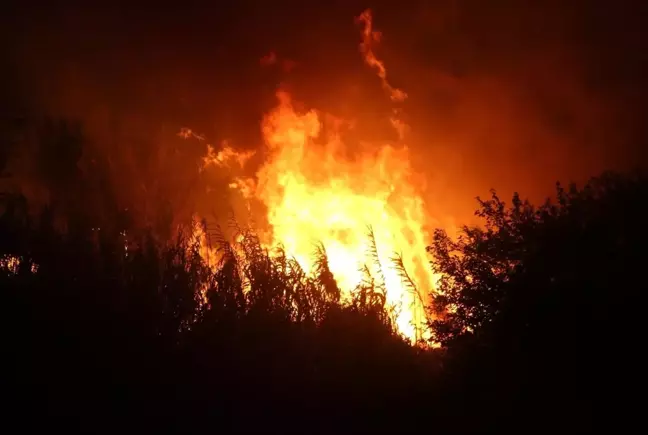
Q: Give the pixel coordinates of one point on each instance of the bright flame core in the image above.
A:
(315, 194)
(367, 211)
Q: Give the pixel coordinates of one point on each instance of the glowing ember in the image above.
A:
(11, 264)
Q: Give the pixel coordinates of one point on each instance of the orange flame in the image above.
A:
(315, 193)
(11, 263)
(369, 39)
(226, 156)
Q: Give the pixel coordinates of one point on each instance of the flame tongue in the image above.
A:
(314, 193)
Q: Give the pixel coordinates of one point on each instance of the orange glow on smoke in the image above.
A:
(315, 193)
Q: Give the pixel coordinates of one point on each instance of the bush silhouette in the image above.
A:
(108, 325)
(538, 293)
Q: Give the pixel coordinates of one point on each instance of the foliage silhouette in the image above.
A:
(107, 325)
(538, 293)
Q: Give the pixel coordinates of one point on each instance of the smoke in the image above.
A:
(518, 95)
(512, 95)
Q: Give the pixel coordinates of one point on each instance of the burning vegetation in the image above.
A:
(358, 217)
(332, 302)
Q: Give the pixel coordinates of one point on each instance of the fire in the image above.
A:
(226, 155)
(315, 194)
(11, 264)
(366, 210)
(369, 39)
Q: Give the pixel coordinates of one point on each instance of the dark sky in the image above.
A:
(506, 94)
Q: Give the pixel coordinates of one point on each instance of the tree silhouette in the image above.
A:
(537, 293)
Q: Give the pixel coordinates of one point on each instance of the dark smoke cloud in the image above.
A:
(506, 94)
